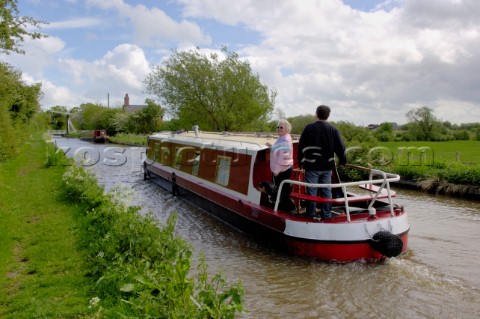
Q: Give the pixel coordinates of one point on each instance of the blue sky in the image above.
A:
(371, 61)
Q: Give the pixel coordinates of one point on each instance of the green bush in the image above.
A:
(141, 268)
(451, 172)
(131, 139)
(458, 173)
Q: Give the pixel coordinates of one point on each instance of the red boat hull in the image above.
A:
(271, 226)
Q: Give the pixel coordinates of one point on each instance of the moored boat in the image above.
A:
(223, 173)
(96, 136)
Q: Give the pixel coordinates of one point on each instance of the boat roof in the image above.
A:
(237, 140)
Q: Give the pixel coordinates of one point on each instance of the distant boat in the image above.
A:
(223, 173)
(96, 136)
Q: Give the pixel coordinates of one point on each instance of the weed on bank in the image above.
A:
(69, 250)
(141, 268)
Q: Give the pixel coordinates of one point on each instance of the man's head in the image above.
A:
(323, 112)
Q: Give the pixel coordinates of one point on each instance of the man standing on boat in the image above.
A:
(318, 144)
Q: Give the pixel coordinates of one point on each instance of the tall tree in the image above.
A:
(384, 133)
(215, 93)
(21, 100)
(18, 104)
(13, 27)
(424, 125)
(57, 120)
(150, 117)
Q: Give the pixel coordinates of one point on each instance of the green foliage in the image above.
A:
(355, 135)
(146, 120)
(57, 121)
(21, 100)
(216, 94)
(360, 143)
(172, 125)
(461, 135)
(424, 125)
(55, 156)
(458, 173)
(299, 122)
(116, 120)
(13, 28)
(18, 105)
(42, 271)
(384, 133)
(90, 117)
(9, 140)
(129, 139)
(451, 172)
(437, 162)
(142, 269)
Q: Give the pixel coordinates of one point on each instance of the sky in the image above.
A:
(371, 61)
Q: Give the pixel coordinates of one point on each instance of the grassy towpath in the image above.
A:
(42, 273)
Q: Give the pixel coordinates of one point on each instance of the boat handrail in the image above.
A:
(208, 141)
(384, 181)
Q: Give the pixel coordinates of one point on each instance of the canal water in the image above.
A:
(439, 277)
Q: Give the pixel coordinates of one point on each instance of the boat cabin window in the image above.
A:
(178, 157)
(196, 163)
(165, 154)
(156, 151)
(222, 173)
(185, 157)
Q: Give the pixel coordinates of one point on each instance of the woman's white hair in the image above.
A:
(285, 123)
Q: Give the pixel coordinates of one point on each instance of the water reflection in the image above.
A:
(439, 276)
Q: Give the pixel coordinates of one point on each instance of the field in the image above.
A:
(467, 152)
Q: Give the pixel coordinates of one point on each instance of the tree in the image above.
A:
(21, 100)
(150, 117)
(91, 116)
(424, 125)
(18, 104)
(384, 133)
(299, 122)
(216, 94)
(13, 28)
(57, 120)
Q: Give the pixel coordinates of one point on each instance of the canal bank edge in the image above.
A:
(439, 187)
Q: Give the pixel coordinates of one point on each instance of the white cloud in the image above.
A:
(73, 23)
(121, 70)
(153, 27)
(39, 55)
(369, 66)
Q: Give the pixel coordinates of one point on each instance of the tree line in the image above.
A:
(217, 91)
(90, 116)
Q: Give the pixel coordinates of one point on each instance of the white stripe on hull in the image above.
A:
(353, 231)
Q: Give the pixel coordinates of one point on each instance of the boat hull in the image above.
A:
(289, 233)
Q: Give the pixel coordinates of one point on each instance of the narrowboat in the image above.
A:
(223, 173)
(96, 136)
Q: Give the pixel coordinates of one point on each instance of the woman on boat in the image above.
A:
(281, 163)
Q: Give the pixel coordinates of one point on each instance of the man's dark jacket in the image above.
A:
(318, 142)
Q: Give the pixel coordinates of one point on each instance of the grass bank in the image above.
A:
(129, 139)
(70, 250)
(467, 152)
(42, 271)
(451, 167)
